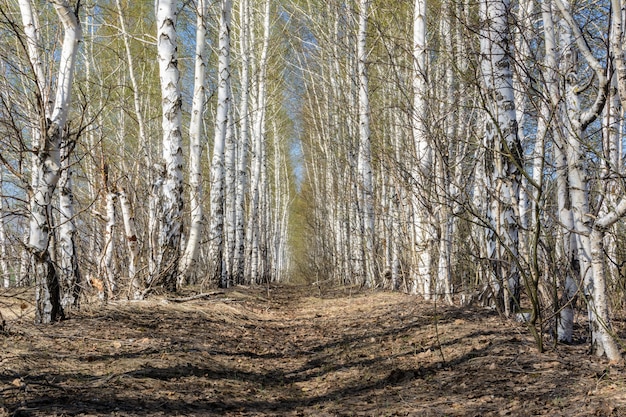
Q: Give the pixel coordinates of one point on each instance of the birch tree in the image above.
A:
(170, 223)
(130, 230)
(257, 197)
(238, 262)
(365, 175)
(423, 155)
(216, 232)
(578, 187)
(195, 144)
(4, 263)
(502, 153)
(46, 163)
(108, 268)
(69, 272)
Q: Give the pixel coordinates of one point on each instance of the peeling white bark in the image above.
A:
(190, 255)
(502, 151)
(170, 233)
(216, 229)
(46, 169)
(130, 231)
(364, 164)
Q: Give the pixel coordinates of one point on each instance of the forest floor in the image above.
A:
(294, 351)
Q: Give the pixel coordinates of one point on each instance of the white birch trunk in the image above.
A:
(46, 153)
(277, 208)
(578, 186)
(107, 261)
(230, 188)
(4, 263)
(31, 30)
(130, 231)
(614, 123)
(26, 264)
(503, 151)
(603, 342)
(216, 231)
(242, 151)
(445, 189)
(566, 243)
(423, 153)
(190, 255)
(611, 171)
(253, 234)
(143, 137)
(364, 168)
(170, 232)
(155, 210)
(69, 273)
(521, 79)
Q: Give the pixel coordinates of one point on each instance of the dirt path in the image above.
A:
(296, 351)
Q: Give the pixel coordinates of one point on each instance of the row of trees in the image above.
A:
(106, 111)
(470, 149)
(447, 149)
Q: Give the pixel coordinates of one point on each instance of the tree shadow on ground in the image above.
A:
(369, 355)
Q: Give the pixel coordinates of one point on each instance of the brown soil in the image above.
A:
(292, 350)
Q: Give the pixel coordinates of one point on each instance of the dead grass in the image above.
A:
(295, 351)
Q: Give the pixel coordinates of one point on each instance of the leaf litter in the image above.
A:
(289, 350)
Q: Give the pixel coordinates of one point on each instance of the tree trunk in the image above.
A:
(189, 259)
(575, 125)
(171, 226)
(107, 260)
(46, 170)
(253, 234)
(364, 167)
(133, 245)
(216, 231)
(502, 151)
(423, 228)
(70, 274)
(603, 342)
(242, 151)
(4, 263)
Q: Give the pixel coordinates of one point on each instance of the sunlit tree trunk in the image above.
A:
(524, 36)
(364, 164)
(190, 255)
(603, 342)
(256, 216)
(47, 152)
(230, 189)
(108, 268)
(242, 148)
(421, 173)
(130, 61)
(170, 232)
(26, 264)
(155, 212)
(216, 231)
(130, 231)
(69, 272)
(445, 169)
(612, 169)
(4, 263)
(603, 338)
(502, 151)
(566, 242)
(578, 184)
